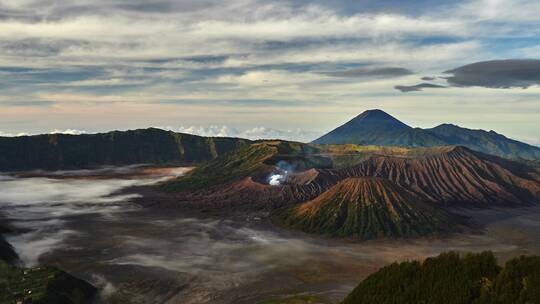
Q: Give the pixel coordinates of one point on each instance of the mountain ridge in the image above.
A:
(386, 130)
(115, 148)
(443, 176)
(378, 128)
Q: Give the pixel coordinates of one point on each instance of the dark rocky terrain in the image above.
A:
(7, 253)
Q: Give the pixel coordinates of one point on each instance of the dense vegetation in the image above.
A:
(153, 146)
(453, 279)
(42, 285)
(376, 127)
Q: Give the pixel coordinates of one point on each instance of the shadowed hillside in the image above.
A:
(42, 285)
(152, 146)
(7, 253)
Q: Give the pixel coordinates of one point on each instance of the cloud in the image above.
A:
(502, 74)
(4, 134)
(417, 87)
(497, 74)
(68, 131)
(385, 72)
(250, 133)
(55, 131)
(206, 62)
(517, 11)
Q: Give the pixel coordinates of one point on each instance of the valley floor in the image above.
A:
(88, 225)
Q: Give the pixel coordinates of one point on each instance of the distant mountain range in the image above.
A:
(376, 127)
(117, 148)
(160, 147)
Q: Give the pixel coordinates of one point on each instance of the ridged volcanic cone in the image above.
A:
(368, 208)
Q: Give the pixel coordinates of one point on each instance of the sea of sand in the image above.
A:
(88, 223)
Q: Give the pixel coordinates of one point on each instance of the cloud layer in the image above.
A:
(99, 65)
(521, 73)
(501, 74)
(417, 87)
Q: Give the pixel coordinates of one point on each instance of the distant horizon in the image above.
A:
(256, 133)
(296, 67)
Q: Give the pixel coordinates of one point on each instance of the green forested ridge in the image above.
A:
(453, 279)
(152, 146)
(42, 285)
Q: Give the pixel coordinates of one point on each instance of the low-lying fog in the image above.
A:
(81, 222)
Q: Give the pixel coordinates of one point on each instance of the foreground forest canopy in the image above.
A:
(453, 279)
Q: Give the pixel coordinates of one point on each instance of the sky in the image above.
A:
(287, 68)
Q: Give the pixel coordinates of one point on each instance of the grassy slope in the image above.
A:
(232, 166)
(451, 279)
(245, 161)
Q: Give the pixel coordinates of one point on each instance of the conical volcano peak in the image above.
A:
(375, 113)
(376, 127)
(367, 208)
(377, 116)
